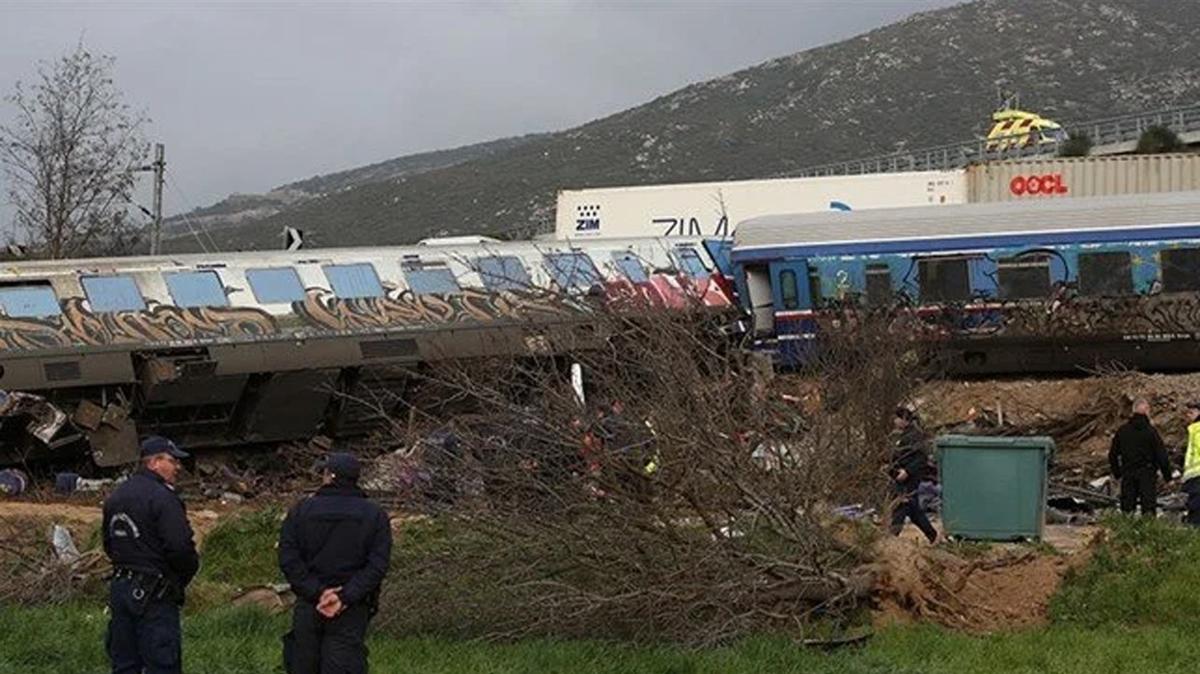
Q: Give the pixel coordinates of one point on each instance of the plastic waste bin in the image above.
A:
(994, 488)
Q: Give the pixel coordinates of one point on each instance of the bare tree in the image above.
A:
(690, 498)
(69, 153)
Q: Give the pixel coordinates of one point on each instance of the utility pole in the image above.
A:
(158, 167)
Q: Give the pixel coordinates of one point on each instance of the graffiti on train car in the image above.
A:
(159, 323)
(399, 308)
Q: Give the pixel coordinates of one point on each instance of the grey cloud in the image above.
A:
(247, 97)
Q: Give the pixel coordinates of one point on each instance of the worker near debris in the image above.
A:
(1191, 465)
(334, 550)
(147, 536)
(909, 463)
(1136, 454)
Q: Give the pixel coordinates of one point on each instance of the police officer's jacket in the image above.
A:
(146, 530)
(336, 538)
(910, 455)
(1137, 447)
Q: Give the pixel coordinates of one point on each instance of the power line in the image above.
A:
(192, 227)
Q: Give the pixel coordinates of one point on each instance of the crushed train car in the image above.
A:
(233, 348)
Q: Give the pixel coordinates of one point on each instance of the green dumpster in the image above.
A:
(994, 488)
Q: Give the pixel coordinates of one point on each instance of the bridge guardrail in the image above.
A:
(1106, 131)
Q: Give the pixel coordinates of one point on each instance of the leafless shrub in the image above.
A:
(690, 499)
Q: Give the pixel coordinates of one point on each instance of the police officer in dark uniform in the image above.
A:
(148, 538)
(334, 550)
(909, 462)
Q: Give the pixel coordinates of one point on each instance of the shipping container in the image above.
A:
(714, 209)
(1032, 179)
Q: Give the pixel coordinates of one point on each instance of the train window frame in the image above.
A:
(571, 279)
(622, 259)
(35, 299)
(429, 278)
(1012, 272)
(499, 280)
(814, 287)
(1104, 285)
(789, 290)
(1176, 277)
(963, 294)
(182, 295)
(284, 288)
(874, 271)
(104, 296)
(690, 263)
(366, 285)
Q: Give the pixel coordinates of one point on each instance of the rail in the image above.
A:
(1107, 133)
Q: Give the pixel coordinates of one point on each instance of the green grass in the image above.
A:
(1134, 608)
(1146, 574)
(240, 552)
(68, 640)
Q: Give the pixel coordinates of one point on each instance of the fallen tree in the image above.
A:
(682, 499)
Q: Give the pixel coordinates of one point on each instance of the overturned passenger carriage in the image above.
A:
(234, 348)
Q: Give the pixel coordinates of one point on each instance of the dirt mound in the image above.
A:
(1081, 413)
(998, 588)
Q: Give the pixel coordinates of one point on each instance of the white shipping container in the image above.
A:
(714, 209)
(1034, 179)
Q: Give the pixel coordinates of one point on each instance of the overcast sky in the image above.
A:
(250, 96)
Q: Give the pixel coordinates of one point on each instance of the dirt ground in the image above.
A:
(979, 588)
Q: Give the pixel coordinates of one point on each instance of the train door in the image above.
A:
(758, 298)
(789, 288)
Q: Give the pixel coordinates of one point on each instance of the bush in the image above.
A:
(1157, 140)
(1078, 144)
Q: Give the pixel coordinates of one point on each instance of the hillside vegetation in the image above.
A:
(929, 79)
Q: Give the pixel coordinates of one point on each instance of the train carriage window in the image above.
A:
(1107, 273)
(814, 287)
(944, 279)
(1180, 269)
(112, 293)
(430, 278)
(1024, 277)
(350, 281)
(879, 284)
(572, 270)
(789, 292)
(503, 272)
(631, 267)
(690, 262)
(275, 285)
(196, 289)
(29, 300)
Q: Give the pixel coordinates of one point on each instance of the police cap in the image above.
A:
(156, 444)
(342, 465)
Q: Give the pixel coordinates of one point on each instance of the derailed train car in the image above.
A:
(234, 348)
(999, 288)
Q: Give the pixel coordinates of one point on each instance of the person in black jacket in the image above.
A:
(909, 462)
(1137, 452)
(147, 536)
(334, 550)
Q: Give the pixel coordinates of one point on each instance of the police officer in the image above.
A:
(909, 462)
(1136, 454)
(148, 538)
(334, 549)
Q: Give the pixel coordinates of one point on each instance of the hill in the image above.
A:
(928, 79)
(248, 208)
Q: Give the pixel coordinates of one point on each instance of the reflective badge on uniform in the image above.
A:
(123, 526)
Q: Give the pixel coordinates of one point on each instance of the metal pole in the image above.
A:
(159, 165)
